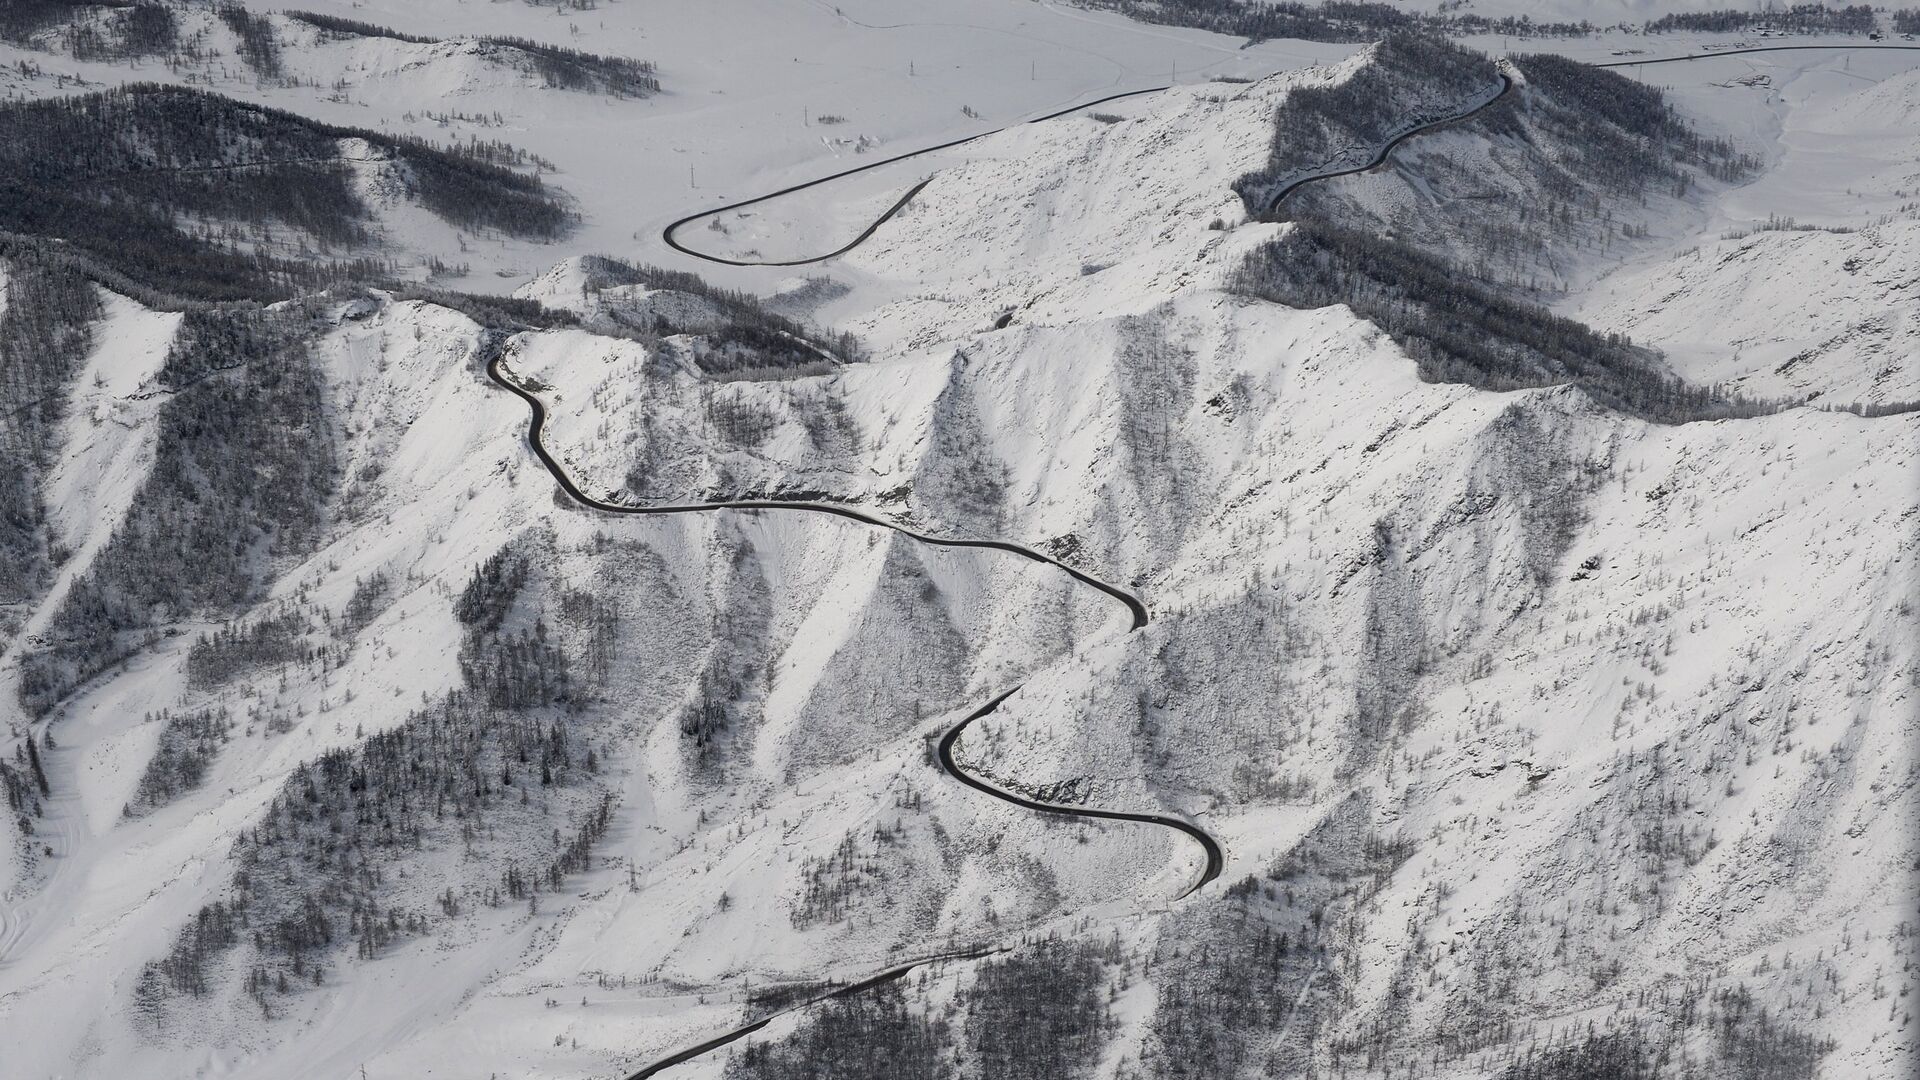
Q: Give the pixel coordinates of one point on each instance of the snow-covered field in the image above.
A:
(1634, 703)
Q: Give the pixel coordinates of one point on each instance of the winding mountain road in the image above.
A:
(666, 234)
(1380, 156)
(495, 371)
(1756, 49)
(1214, 855)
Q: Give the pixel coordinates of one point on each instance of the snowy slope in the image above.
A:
(1760, 304)
(1409, 551)
(1512, 713)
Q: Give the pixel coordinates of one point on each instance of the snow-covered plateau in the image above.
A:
(1554, 717)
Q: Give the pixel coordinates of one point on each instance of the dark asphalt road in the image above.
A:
(1214, 854)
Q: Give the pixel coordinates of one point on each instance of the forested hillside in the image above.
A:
(181, 34)
(242, 477)
(190, 193)
(1575, 149)
(1571, 164)
(509, 758)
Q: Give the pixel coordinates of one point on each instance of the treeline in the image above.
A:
(496, 313)
(338, 27)
(125, 33)
(22, 20)
(1745, 1043)
(1874, 409)
(24, 780)
(498, 152)
(1794, 19)
(1581, 131)
(1040, 1014)
(1609, 1055)
(1759, 1046)
(873, 1035)
(706, 720)
(165, 148)
(744, 341)
(1351, 21)
(571, 69)
(1457, 329)
(113, 173)
(1221, 998)
(113, 30)
(1626, 132)
(833, 886)
(214, 929)
(1581, 151)
(244, 468)
(1244, 981)
(369, 597)
(491, 590)
(510, 669)
(475, 193)
(93, 29)
(720, 704)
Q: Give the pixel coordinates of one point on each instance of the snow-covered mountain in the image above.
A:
(1530, 604)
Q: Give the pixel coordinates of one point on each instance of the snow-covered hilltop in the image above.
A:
(1526, 531)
